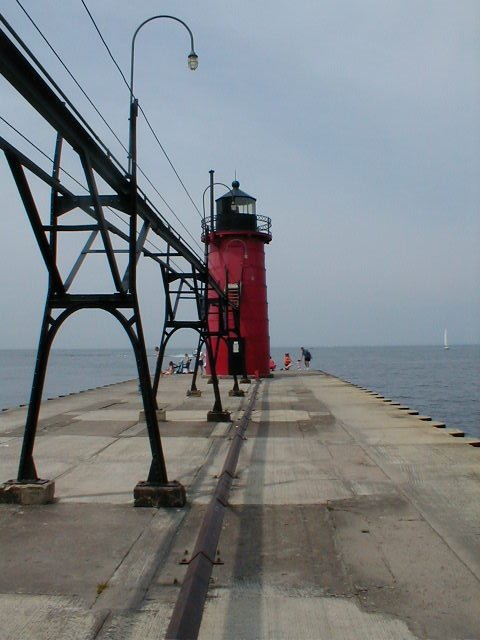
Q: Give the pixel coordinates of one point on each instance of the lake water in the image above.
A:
(442, 384)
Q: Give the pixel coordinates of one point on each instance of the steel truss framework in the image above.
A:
(181, 287)
(101, 236)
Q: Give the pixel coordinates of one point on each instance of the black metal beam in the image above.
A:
(116, 201)
(28, 82)
(36, 222)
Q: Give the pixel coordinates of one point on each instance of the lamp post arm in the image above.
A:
(132, 56)
(210, 186)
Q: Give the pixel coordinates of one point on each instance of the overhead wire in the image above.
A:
(115, 213)
(72, 76)
(169, 161)
(105, 44)
(52, 161)
(59, 91)
(9, 124)
(119, 69)
(169, 207)
(47, 75)
(140, 107)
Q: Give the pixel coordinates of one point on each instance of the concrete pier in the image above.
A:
(349, 517)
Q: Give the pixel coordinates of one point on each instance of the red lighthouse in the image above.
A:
(236, 239)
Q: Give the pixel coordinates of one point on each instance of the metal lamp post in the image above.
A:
(192, 65)
(157, 491)
(132, 146)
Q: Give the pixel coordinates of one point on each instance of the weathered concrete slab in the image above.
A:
(47, 618)
(219, 430)
(266, 613)
(71, 405)
(267, 475)
(109, 482)
(283, 577)
(279, 415)
(195, 415)
(64, 549)
(383, 543)
(113, 415)
(407, 435)
(114, 471)
(54, 456)
(348, 518)
(111, 429)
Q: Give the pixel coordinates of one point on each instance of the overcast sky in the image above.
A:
(355, 124)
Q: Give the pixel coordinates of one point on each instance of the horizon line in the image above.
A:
(278, 346)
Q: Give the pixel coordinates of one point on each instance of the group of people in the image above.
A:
(185, 365)
(305, 358)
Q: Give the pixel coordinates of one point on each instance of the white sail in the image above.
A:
(445, 340)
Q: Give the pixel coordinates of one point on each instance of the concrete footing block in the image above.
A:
(171, 494)
(34, 492)
(161, 415)
(456, 433)
(236, 393)
(473, 442)
(219, 416)
(195, 393)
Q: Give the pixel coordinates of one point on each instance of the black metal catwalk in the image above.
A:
(100, 235)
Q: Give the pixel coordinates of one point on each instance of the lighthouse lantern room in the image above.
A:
(236, 239)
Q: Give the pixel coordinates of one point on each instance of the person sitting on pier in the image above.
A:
(170, 369)
(287, 361)
(184, 366)
(272, 364)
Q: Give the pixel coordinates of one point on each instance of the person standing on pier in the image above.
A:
(202, 362)
(307, 356)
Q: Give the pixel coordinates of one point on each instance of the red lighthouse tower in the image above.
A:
(236, 240)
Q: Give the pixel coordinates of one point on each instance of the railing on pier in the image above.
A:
(238, 222)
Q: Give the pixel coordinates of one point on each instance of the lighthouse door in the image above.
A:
(235, 357)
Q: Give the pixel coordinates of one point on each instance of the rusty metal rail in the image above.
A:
(188, 610)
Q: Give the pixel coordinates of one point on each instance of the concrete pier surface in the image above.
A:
(349, 518)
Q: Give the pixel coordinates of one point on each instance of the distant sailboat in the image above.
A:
(445, 340)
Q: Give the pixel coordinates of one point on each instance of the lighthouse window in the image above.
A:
(239, 207)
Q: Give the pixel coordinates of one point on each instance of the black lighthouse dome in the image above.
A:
(236, 201)
(236, 211)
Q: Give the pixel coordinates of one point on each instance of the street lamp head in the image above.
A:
(192, 61)
(192, 64)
